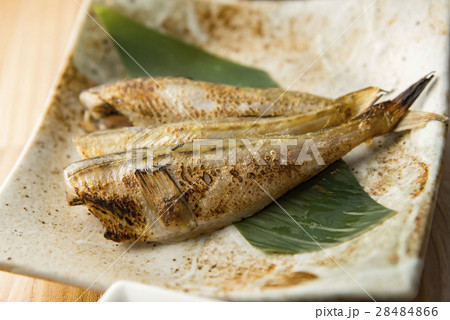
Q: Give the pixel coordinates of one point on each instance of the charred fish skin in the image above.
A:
(147, 102)
(214, 193)
(118, 140)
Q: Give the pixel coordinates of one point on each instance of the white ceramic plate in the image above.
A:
(127, 291)
(389, 44)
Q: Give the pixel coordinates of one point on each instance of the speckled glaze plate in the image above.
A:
(389, 44)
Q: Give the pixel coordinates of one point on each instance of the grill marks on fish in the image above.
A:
(145, 103)
(121, 215)
(211, 194)
(122, 139)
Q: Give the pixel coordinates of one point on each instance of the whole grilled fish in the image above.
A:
(146, 102)
(159, 196)
(108, 141)
(118, 140)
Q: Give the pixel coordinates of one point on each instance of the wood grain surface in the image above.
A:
(34, 36)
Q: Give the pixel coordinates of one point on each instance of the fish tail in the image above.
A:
(386, 115)
(407, 97)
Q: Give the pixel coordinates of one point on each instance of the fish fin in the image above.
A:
(147, 138)
(363, 98)
(418, 119)
(166, 201)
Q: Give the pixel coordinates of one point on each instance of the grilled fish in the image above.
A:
(107, 141)
(117, 140)
(146, 102)
(156, 195)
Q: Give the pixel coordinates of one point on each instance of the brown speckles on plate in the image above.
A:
(289, 279)
(281, 38)
(397, 167)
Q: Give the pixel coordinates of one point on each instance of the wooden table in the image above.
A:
(34, 35)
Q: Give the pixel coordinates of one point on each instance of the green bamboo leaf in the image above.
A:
(328, 209)
(162, 55)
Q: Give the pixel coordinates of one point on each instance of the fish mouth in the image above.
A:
(100, 114)
(93, 101)
(91, 98)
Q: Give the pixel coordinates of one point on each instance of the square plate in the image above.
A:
(338, 46)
